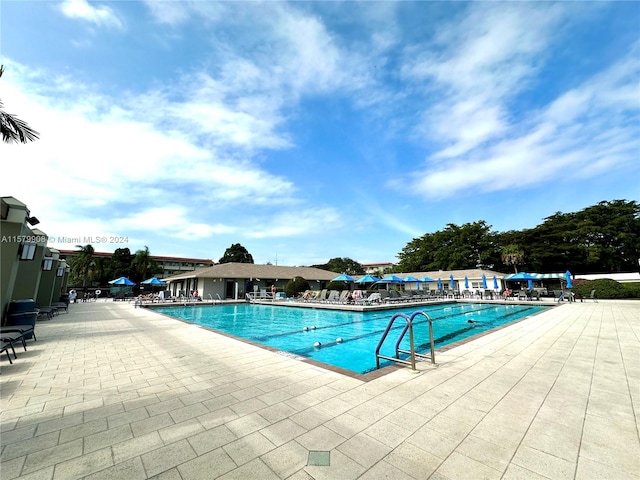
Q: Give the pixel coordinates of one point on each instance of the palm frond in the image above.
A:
(15, 130)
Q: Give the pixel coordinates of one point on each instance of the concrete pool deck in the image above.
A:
(113, 392)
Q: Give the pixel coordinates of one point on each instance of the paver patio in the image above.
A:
(113, 392)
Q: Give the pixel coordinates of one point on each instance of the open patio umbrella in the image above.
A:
(367, 279)
(411, 279)
(567, 276)
(484, 281)
(439, 284)
(520, 277)
(452, 282)
(391, 279)
(121, 281)
(466, 283)
(426, 279)
(153, 281)
(495, 283)
(343, 278)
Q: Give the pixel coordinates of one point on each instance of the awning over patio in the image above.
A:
(539, 276)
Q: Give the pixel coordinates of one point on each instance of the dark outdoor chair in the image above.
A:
(9, 336)
(5, 347)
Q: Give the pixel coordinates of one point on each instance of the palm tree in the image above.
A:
(12, 128)
(513, 255)
(142, 262)
(82, 264)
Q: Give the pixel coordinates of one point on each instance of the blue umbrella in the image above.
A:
(343, 278)
(452, 283)
(567, 276)
(426, 279)
(121, 281)
(439, 284)
(153, 281)
(495, 283)
(367, 279)
(411, 279)
(530, 284)
(466, 282)
(520, 277)
(391, 279)
(484, 281)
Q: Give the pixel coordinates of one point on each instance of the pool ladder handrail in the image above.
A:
(412, 352)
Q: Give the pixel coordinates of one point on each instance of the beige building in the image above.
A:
(376, 268)
(232, 280)
(170, 265)
(28, 268)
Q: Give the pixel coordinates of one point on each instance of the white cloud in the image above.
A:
(474, 67)
(585, 132)
(82, 10)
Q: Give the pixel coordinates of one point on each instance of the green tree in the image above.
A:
(82, 265)
(142, 265)
(470, 245)
(602, 238)
(120, 263)
(345, 265)
(513, 255)
(12, 128)
(295, 286)
(236, 253)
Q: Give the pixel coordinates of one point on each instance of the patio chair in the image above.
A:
(13, 336)
(48, 311)
(5, 347)
(333, 297)
(593, 296)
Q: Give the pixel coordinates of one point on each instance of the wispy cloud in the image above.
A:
(82, 10)
(475, 67)
(487, 146)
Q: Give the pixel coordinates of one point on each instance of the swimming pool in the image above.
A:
(348, 339)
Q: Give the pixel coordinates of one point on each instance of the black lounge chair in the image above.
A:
(48, 311)
(60, 306)
(5, 347)
(10, 338)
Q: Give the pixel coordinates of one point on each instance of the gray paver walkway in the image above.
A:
(113, 392)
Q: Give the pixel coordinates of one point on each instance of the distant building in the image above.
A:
(226, 281)
(170, 265)
(372, 268)
(618, 277)
(29, 269)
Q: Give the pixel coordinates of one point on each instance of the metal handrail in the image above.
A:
(412, 353)
(432, 355)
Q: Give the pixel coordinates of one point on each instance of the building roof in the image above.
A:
(471, 274)
(252, 270)
(157, 258)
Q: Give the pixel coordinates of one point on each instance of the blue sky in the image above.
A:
(312, 130)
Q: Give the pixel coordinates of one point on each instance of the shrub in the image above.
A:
(606, 288)
(296, 286)
(338, 286)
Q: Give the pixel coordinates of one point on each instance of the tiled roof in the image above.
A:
(252, 270)
(160, 258)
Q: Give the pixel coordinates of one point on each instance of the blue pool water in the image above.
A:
(296, 330)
